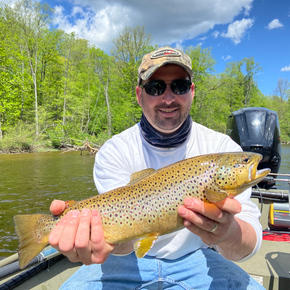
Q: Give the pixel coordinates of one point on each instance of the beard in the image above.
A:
(169, 123)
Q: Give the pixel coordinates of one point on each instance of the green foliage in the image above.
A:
(57, 90)
(282, 107)
(20, 138)
(102, 138)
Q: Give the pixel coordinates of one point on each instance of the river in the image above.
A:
(29, 182)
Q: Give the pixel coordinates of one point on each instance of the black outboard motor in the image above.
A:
(257, 130)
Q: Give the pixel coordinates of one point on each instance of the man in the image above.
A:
(166, 134)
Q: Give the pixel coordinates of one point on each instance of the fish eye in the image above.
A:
(246, 159)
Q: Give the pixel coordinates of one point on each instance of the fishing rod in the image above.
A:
(10, 265)
(267, 194)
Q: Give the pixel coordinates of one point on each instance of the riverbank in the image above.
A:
(86, 147)
(92, 148)
(22, 139)
(9, 146)
(21, 151)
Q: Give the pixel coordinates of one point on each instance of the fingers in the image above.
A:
(229, 205)
(56, 233)
(80, 237)
(67, 239)
(219, 212)
(212, 222)
(99, 247)
(57, 207)
(194, 221)
(63, 235)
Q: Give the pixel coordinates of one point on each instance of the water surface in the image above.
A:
(29, 182)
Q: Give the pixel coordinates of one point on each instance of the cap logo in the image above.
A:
(165, 52)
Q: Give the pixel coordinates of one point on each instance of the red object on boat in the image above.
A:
(276, 236)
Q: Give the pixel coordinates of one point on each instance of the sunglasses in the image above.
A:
(157, 88)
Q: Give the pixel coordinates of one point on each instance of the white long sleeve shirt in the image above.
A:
(128, 152)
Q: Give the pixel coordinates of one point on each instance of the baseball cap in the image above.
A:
(164, 55)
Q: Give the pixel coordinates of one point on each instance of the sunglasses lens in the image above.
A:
(155, 88)
(180, 87)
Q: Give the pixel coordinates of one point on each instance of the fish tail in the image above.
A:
(32, 233)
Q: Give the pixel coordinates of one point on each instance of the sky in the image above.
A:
(233, 29)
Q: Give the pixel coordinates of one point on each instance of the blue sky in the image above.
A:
(266, 39)
(233, 29)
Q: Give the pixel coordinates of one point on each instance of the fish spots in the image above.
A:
(38, 234)
(156, 197)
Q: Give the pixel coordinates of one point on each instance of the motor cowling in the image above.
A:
(257, 130)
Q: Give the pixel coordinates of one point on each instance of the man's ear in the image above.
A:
(138, 95)
(192, 90)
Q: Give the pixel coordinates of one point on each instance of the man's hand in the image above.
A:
(216, 225)
(79, 235)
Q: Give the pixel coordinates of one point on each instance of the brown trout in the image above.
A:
(147, 207)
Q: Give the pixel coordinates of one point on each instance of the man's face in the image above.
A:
(167, 112)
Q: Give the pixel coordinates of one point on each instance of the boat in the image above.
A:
(256, 130)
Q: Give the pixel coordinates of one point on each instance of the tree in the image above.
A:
(68, 90)
(250, 85)
(32, 17)
(202, 64)
(129, 48)
(103, 70)
(10, 75)
(69, 43)
(232, 90)
(283, 89)
(202, 67)
(240, 84)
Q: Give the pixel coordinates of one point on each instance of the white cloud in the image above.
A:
(203, 38)
(225, 58)
(98, 28)
(77, 10)
(215, 34)
(286, 68)
(179, 46)
(100, 21)
(248, 8)
(274, 24)
(237, 29)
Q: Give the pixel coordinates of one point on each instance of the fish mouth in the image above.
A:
(255, 175)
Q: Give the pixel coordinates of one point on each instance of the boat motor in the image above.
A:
(257, 130)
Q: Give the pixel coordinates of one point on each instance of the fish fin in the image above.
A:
(215, 196)
(143, 246)
(136, 176)
(70, 203)
(31, 239)
(233, 192)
